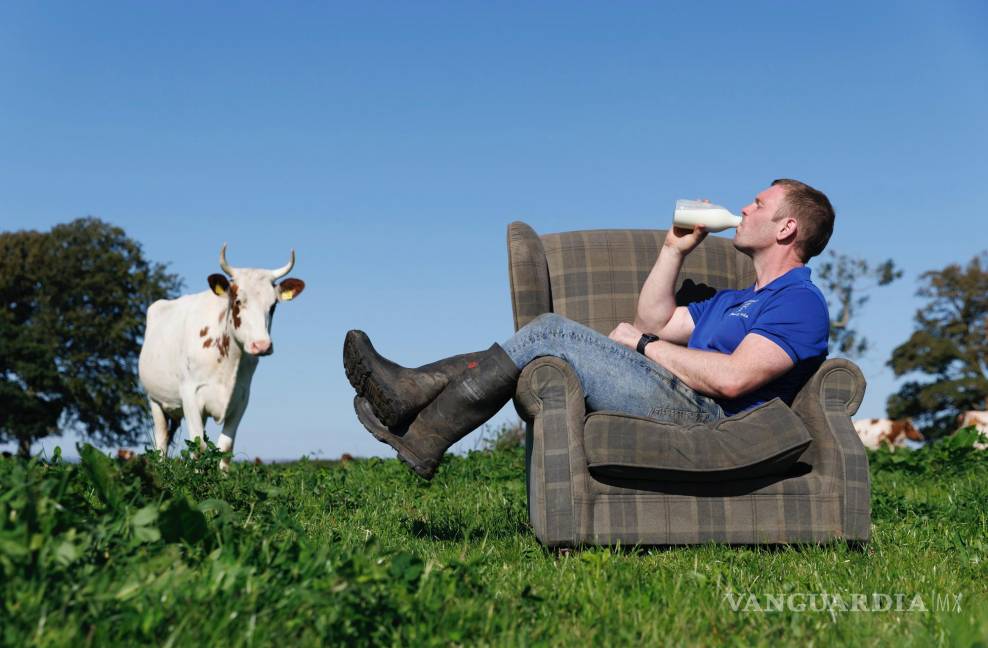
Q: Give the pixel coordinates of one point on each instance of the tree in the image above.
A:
(950, 344)
(846, 280)
(71, 326)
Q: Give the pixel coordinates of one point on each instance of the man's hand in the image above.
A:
(627, 335)
(685, 240)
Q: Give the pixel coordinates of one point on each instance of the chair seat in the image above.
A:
(765, 440)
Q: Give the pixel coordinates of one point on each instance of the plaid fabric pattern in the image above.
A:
(552, 404)
(826, 404)
(765, 440)
(594, 277)
(528, 274)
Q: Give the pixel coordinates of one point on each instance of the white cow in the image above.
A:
(977, 419)
(200, 351)
(895, 434)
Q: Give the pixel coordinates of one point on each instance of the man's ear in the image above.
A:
(290, 288)
(220, 284)
(790, 228)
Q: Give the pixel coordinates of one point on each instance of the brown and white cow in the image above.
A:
(895, 434)
(979, 420)
(200, 351)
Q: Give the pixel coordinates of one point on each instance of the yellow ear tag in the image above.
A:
(287, 295)
(218, 289)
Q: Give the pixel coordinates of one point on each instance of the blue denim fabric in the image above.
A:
(614, 377)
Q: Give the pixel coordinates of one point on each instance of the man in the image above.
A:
(685, 364)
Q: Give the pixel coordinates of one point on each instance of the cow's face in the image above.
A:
(252, 297)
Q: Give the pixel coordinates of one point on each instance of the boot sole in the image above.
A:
(382, 399)
(367, 418)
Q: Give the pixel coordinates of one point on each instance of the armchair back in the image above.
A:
(594, 276)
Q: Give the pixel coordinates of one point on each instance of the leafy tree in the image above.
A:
(950, 344)
(846, 281)
(71, 326)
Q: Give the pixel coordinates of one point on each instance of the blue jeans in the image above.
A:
(614, 377)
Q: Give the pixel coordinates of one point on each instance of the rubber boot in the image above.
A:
(468, 400)
(396, 393)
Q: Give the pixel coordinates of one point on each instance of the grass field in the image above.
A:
(172, 553)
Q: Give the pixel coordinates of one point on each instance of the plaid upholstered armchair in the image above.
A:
(773, 474)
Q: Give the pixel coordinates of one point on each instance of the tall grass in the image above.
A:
(171, 552)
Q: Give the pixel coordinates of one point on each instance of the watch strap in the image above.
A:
(645, 340)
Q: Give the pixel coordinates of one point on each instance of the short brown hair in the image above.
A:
(814, 213)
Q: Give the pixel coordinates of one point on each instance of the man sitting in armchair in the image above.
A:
(684, 364)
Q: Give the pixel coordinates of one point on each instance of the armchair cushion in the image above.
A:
(765, 440)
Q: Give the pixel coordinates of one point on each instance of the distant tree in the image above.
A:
(950, 344)
(846, 282)
(71, 323)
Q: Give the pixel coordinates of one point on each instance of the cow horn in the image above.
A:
(283, 270)
(223, 264)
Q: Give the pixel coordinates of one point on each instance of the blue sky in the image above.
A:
(392, 143)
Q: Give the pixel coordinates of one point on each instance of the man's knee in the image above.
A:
(548, 320)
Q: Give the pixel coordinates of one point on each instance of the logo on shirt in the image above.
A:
(742, 310)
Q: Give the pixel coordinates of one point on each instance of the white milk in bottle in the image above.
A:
(696, 212)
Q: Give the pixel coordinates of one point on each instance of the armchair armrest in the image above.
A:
(550, 399)
(826, 404)
(539, 384)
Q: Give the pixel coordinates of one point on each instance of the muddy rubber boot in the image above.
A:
(453, 366)
(396, 393)
(467, 401)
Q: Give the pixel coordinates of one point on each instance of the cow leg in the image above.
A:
(229, 435)
(194, 418)
(162, 436)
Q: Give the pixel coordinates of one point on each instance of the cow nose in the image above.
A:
(262, 348)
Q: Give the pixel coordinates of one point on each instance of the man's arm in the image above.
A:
(755, 362)
(656, 311)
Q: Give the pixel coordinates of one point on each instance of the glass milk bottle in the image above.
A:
(696, 212)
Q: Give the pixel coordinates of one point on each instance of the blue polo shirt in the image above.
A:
(790, 311)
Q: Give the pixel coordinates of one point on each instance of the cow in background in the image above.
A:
(978, 420)
(895, 434)
(200, 351)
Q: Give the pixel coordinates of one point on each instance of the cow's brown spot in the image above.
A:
(208, 342)
(203, 331)
(224, 346)
(904, 427)
(236, 306)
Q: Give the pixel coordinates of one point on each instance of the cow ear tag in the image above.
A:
(290, 288)
(219, 284)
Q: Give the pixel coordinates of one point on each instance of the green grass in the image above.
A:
(173, 553)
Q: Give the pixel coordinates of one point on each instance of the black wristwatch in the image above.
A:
(646, 339)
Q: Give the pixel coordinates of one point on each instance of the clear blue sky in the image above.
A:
(392, 143)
